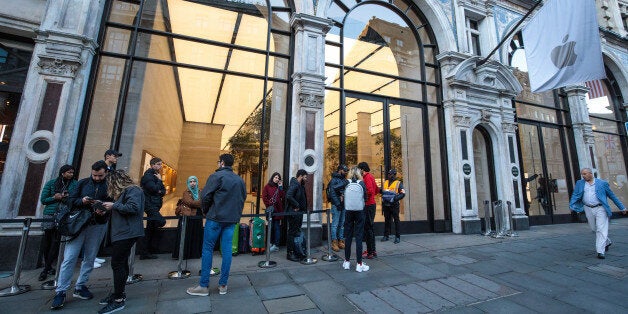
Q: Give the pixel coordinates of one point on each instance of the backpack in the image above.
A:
(389, 192)
(354, 196)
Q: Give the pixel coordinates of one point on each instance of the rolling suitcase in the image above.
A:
(244, 240)
(234, 241)
(258, 239)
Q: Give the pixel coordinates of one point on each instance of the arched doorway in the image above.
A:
(483, 159)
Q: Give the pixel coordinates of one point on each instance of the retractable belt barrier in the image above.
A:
(15, 288)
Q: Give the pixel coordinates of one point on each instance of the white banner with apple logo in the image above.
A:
(562, 45)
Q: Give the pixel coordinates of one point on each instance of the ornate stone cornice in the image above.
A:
(311, 100)
(509, 127)
(302, 21)
(50, 65)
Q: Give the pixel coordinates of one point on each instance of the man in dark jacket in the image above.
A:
(335, 191)
(222, 200)
(297, 202)
(88, 195)
(154, 192)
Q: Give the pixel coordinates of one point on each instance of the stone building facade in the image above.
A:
(286, 85)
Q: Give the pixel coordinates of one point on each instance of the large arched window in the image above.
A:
(188, 80)
(382, 103)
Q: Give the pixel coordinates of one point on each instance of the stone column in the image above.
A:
(47, 123)
(306, 131)
(582, 128)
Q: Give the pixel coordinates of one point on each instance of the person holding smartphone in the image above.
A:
(55, 192)
(274, 195)
(88, 192)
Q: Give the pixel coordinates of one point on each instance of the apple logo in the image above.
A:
(564, 55)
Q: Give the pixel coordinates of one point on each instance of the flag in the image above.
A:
(596, 89)
(562, 45)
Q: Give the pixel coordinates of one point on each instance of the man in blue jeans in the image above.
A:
(222, 201)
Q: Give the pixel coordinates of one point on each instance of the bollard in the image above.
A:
(308, 260)
(487, 218)
(15, 288)
(498, 216)
(133, 278)
(52, 284)
(329, 257)
(268, 263)
(512, 231)
(179, 273)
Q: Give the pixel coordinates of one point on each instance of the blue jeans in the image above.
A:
(276, 232)
(89, 240)
(214, 229)
(337, 223)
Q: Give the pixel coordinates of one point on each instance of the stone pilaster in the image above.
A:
(307, 133)
(47, 124)
(581, 124)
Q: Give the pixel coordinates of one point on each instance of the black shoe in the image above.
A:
(601, 256)
(58, 301)
(397, 240)
(83, 293)
(43, 275)
(149, 256)
(384, 238)
(607, 246)
(112, 307)
(51, 272)
(110, 299)
(293, 257)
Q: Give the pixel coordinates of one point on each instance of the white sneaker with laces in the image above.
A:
(361, 267)
(346, 265)
(97, 265)
(100, 260)
(274, 248)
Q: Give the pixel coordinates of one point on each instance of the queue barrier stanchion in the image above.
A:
(52, 284)
(133, 278)
(180, 273)
(511, 232)
(487, 218)
(268, 263)
(309, 259)
(15, 288)
(329, 257)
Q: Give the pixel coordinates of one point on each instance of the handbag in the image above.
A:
(183, 210)
(70, 223)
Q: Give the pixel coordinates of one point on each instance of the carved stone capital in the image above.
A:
(59, 67)
(462, 120)
(311, 100)
(588, 137)
(509, 127)
(486, 115)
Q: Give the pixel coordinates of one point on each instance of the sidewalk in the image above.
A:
(547, 269)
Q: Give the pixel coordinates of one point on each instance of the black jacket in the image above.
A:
(223, 196)
(336, 188)
(154, 191)
(126, 215)
(295, 196)
(95, 190)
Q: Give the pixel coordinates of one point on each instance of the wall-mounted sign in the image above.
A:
(466, 168)
(514, 171)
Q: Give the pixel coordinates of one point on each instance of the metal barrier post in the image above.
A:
(498, 216)
(268, 263)
(179, 273)
(309, 259)
(512, 231)
(487, 218)
(52, 284)
(329, 257)
(133, 278)
(15, 287)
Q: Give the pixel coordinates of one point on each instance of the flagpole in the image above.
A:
(509, 33)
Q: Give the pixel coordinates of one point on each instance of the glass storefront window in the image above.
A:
(611, 164)
(195, 94)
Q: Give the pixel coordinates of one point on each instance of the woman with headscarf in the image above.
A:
(190, 205)
(126, 227)
(55, 192)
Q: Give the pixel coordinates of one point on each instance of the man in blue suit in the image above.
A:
(591, 196)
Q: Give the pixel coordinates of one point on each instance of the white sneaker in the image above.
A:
(97, 265)
(274, 248)
(99, 260)
(361, 267)
(346, 265)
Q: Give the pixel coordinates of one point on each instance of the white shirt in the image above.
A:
(589, 197)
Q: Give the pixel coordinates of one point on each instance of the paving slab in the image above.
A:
(452, 295)
(468, 288)
(329, 296)
(279, 291)
(291, 304)
(369, 303)
(503, 305)
(400, 301)
(425, 297)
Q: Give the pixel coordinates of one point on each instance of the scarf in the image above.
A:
(194, 191)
